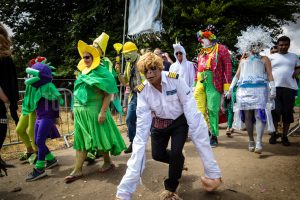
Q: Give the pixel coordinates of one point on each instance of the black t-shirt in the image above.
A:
(166, 65)
(9, 84)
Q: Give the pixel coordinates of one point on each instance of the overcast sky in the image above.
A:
(291, 30)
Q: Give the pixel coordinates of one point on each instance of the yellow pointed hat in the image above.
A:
(101, 42)
(84, 47)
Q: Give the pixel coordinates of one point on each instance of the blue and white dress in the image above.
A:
(253, 91)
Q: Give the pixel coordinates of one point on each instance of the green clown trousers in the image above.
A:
(207, 97)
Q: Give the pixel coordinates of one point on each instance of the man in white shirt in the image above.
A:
(182, 66)
(285, 66)
(166, 108)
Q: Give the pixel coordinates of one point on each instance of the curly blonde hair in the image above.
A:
(5, 42)
(149, 60)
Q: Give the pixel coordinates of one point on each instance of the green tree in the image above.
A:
(182, 19)
(39, 28)
(52, 28)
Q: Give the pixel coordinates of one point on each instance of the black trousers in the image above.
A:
(177, 131)
(284, 105)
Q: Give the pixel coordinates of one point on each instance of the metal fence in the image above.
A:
(66, 127)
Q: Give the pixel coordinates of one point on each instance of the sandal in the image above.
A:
(106, 169)
(24, 156)
(229, 131)
(72, 178)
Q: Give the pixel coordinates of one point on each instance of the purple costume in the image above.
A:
(47, 111)
(45, 101)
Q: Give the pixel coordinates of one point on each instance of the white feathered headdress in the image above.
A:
(254, 38)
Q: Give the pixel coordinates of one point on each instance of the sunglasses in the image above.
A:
(86, 57)
(178, 53)
(153, 68)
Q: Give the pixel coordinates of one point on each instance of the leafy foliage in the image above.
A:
(52, 28)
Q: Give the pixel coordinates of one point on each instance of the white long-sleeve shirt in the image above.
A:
(175, 99)
(185, 68)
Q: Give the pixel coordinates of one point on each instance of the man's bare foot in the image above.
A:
(210, 184)
(167, 195)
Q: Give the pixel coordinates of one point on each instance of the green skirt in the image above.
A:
(89, 134)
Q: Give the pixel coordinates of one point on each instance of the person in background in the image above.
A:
(133, 78)
(285, 67)
(100, 43)
(25, 127)
(44, 99)
(273, 50)
(9, 93)
(256, 86)
(146, 50)
(213, 78)
(182, 66)
(228, 105)
(94, 127)
(167, 61)
(125, 100)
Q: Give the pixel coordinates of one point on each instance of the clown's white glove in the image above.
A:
(228, 94)
(233, 83)
(272, 90)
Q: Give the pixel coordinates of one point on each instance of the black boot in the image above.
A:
(273, 138)
(2, 167)
(129, 148)
(285, 141)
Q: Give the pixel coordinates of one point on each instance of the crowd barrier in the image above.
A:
(66, 125)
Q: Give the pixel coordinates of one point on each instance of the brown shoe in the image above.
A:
(167, 195)
(210, 184)
(229, 131)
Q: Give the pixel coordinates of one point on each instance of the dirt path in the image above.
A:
(273, 175)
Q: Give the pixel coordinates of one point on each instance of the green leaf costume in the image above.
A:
(88, 99)
(46, 90)
(33, 96)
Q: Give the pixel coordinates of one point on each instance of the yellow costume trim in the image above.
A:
(211, 55)
(83, 47)
(173, 75)
(226, 86)
(208, 50)
(140, 87)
